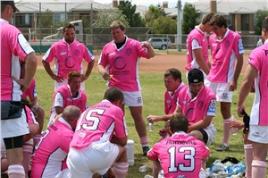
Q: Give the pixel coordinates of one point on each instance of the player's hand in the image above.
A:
(106, 76)
(233, 86)
(236, 124)
(146, 44)
(21, 82)
(57, 78)
(153, 118)
(240, 111)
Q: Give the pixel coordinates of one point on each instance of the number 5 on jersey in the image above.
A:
(91, 120)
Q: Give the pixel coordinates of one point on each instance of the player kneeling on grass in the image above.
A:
(198, 104)
(180, 155)
(99, 139)
(51, 152)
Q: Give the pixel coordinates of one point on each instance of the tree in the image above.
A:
(260, 15)
(190, 16)
(164, 25)
(134, 19)
(105, 18)
(152, 14)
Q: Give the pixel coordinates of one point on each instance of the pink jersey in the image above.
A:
(30, 92)
(259, 60)
(14, 48)
(180, 155)
(68, 57)
(51, 152)
(202, 39)
(123, 64)
(171, 99)
(98, 124)
(197, 108)
(224, 54)
(79, 101)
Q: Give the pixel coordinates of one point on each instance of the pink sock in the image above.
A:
(226, 131)
(144, 141)
(120, 169)
(248, 159)
(258, 169)
(15, 171)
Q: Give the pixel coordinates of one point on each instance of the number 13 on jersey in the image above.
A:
(186, 164)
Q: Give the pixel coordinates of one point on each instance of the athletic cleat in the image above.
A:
(145, 149)
(223, 148)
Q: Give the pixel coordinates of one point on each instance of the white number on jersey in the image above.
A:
(188, 152)
(92, 119)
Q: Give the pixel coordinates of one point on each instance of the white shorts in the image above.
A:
(258, 134)
(65, 173)
(133, 98)
(211, 132)
(221, 91)
(97, 158)
(14, 127)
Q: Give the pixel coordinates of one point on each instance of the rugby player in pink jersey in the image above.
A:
(14, 48)
(227, 61)
(68, 54)
(197, 46)
(118, 64)
(69, 94)
(257, 72)
(179, 155)
(49, 158)
(100, 138)
(173, 84)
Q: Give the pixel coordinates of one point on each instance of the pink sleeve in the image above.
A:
(203, 150)
(65, 142)
(142, 52)
(88, 56)
(153, 153)
(120, 129)
(254, 60)
(19, 45)
(50, 54)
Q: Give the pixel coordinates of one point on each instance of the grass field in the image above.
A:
(151, 77)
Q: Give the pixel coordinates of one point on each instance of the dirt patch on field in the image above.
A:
(159, 63)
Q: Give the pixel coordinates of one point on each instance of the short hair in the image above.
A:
(68, 26)
(73, 75)
(178, 123)
(218, 20)
(71, 112)
(207, 18)
(113, 94)
(265, 24)
(175, 73)
(117, 24)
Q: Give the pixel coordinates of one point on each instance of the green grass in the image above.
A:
(152, 90)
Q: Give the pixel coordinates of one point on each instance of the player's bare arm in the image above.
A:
(251, 74)
(147, 45)
(88, 71)
(104, 73)
(30, 69)
(119, 141)
(238, 68)
(50, 72)
(204, 123)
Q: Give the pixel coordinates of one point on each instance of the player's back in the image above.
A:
(181, 155)
(97, 124)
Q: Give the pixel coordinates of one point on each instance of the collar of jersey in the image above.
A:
(122, 45)
(64, 122)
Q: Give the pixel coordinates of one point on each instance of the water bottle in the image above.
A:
(150, 126)
(130, 152)
(236, 169)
